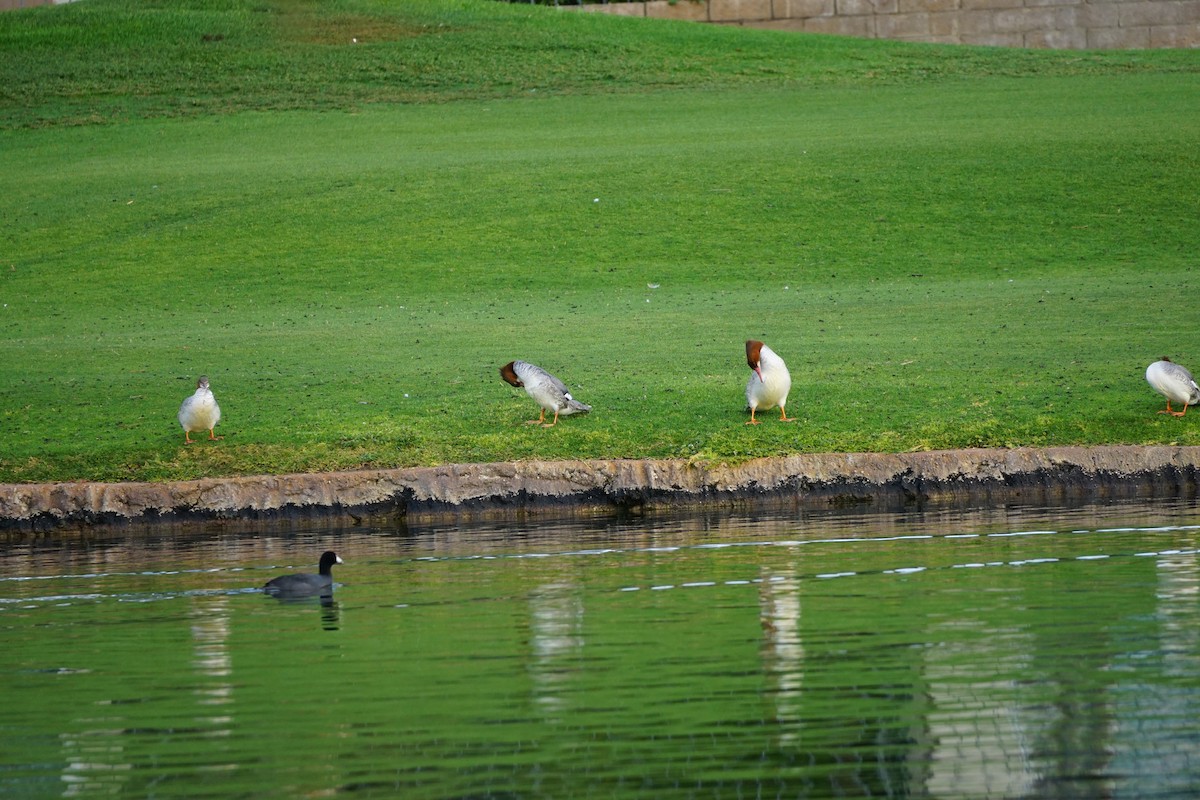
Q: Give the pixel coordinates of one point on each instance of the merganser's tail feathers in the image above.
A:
(574, 407)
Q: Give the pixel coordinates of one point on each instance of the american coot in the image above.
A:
(549, 392)
(199, 412)
(306, 583)
(1174, 382)
(769, 384)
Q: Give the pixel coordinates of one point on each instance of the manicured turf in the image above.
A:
(976, 247)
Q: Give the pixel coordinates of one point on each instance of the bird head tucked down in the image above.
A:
(754, 356)
(510, 375)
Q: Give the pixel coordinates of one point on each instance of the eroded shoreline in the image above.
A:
(880, 481)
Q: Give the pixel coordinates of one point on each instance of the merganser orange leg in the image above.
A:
(1175, 413)
(537, 421)
(551, 424)
(783, 417)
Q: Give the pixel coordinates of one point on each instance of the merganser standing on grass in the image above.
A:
(200, 412)
(549, 392)
(769, 383)
(1174, 382)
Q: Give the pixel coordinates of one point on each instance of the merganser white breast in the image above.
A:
(547, 391)
(769, 383)
(200, 412)
(1174, 382)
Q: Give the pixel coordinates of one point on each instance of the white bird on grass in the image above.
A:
(770, 382)
(200, 412)
(1174, 382)
(548, 391)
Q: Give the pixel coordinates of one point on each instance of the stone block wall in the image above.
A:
(1061, 24)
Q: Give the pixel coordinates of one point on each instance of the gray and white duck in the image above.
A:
(1174, 382)
(547, 391)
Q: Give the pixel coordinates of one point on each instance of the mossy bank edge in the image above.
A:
(871, 481)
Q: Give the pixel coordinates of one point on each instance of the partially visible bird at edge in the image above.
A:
(769, 382)
(547, 391)
(1174, 382)
(200, 412)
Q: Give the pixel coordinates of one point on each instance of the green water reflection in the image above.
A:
(990, 654)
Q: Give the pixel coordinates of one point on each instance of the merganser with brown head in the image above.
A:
(770, 382)
(548, 391)
(1174, 382)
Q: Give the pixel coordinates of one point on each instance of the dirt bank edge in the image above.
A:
(878, 480)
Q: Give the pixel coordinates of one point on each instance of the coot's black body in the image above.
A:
(305, 584)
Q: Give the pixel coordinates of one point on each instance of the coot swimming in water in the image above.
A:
(306, 583)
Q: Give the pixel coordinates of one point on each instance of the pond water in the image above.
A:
(1006, 653)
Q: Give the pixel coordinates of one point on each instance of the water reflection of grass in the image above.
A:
(951, 247)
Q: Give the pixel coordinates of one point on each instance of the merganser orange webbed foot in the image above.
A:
(548, 391)
(1175, 413)
(199, 412)
(769, 382)
(1174, 382)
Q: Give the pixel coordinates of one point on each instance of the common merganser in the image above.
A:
(548, 391)
(1174, 382)
(305, 584)
(200, 412)
(770, 382)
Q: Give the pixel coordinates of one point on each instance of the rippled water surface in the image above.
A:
(1006, 653)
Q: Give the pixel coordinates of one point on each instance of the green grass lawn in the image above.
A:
(949, 246)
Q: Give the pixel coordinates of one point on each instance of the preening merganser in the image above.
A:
(1174, 382)
(769, 383)
(549, 392)
(200, 412)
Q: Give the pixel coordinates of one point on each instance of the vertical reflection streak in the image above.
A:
(980, 737)
(556, 624)
(782, 649)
